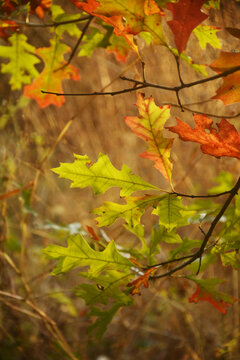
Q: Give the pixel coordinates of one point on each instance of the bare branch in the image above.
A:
(199, 253)
(77, 44)
(53, 24)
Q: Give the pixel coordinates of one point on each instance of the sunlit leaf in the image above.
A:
(172, 212)
(50, 79)
(206, 34)
(22, 61)
(149, 126)
(186, 16)
(79, 253)
(224, 142)
(101, 176)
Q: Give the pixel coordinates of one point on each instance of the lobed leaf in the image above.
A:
(229, 91)
(206, 34)
(22, 61)
(149, 126)
(130, 212)
(206, 291)
(225, 142)
(172, 213)
(50, 79)
(101, 176)
(79, 253)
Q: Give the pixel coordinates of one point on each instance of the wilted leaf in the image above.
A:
(50, 79)
(225, 142)
(22, 62)
(186, 16)
(142, 280)
(149, 126)
(101, 176)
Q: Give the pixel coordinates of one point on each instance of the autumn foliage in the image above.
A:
(190, 232)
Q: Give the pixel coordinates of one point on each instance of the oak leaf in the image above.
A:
(50, 79)
(142, 280)
(22, 61)
(186, 16)
(101, 175)
(224, 142)
(149, 126)
(206, 291)
(229, 92)
(128, 17)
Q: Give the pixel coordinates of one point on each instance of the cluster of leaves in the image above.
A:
(114, 273)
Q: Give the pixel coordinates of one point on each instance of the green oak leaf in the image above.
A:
(101, 176)
(79, 253)
(131, 212)
(103, 319)
(206, 34)
(107, 286)
(21, 65)
(172, 213)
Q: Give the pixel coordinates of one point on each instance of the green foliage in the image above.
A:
(101, 176)
(22, 61)
(164, 232)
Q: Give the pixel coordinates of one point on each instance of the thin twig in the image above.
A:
(112, 93)
(53, 24)
(199, 253)
(204, 113)
(77, 44)
(143, 85)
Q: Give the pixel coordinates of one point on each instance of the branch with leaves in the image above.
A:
(115, 273)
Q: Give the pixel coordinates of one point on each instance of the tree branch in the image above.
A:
(77, 44)
(53, 24)
(199, 253)
(142, 85)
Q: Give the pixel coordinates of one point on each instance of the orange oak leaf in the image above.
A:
(142, 280)
(127, 17)
(186, 16)
(149, 126)
(229, 92)
(50, 79)
(202, 295)
(224, 142)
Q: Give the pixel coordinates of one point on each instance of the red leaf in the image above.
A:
(225, 142)
(186, 16)
(229, 92)
(202, 295)
(127, 17)
(142, 280)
